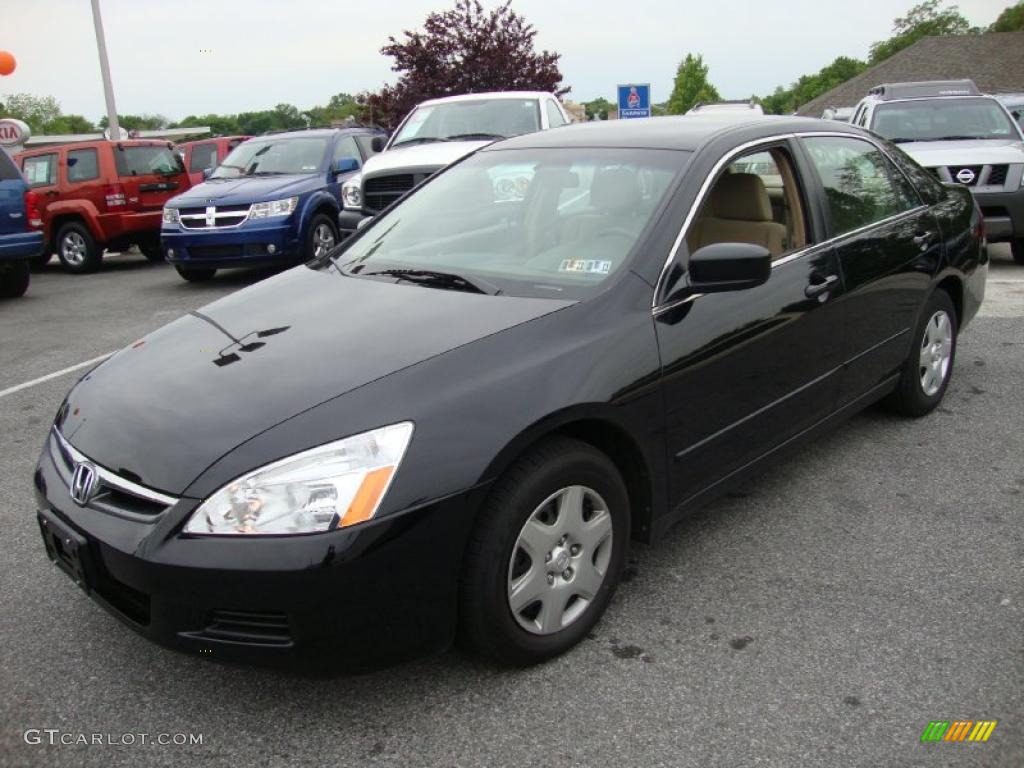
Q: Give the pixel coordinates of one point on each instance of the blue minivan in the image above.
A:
(273, 200)
(21, 236)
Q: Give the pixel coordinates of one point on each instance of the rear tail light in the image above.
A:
(114, 195)
(33, 212)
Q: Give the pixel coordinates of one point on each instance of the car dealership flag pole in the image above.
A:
(114, 130)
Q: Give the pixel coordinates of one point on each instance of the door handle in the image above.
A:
(923, 239)
(814, 290)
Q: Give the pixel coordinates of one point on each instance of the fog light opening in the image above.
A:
(271, 249)
(170, 253)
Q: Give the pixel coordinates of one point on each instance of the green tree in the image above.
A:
(786, 100)
(145, 122)
(691, 85)
(37, 111)
(597, 108)
(69, 124)
(1010, 20)
(220, 125)
(925, 19)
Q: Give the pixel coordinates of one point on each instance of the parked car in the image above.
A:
(842, 114)
(436, 133)
(742, 108)
(1014, 102)
(21, 238)
(203, 155)
(962, 136)
(102, 195)
(463, 416)
(273, 200)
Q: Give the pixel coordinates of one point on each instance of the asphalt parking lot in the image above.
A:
(822, 615)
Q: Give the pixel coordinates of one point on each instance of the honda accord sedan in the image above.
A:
(456, 424)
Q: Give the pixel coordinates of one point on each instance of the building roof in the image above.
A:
(993, 61)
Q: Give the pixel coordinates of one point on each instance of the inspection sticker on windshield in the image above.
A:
(589, 266)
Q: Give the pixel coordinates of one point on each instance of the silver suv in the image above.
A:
(962, 136)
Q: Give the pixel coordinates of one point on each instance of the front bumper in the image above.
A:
(380, 592)
(20, 246)
(1004, 214)
(243, 246)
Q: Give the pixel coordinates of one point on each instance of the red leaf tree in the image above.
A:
(462, 50)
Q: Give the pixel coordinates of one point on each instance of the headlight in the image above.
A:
(273, 208)
(333, 486)
(170, 215)
(352, 192)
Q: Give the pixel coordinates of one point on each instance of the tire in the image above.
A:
(196, 274)
(321, 237)
(1017, 249)
(14, 278)
(77, 250)
(929, 367)
(40, 261)
(152, 251)
(513, 521)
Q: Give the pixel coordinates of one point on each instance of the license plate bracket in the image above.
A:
(68, 550)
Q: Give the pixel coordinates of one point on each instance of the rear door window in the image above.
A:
(147, 161)
(41, 170)
(83, 165)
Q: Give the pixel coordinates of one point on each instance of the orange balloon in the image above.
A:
(7, 62)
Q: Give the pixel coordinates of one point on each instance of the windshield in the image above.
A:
(483, 119)
(147, 160)
(272, 157)
(538, 222)
(943, 119)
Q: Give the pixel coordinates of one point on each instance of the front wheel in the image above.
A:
(321, 238)
(152, 250)
(1017, 249)
(546, 554)
(196, 274)
(927, 372)
(14, 279)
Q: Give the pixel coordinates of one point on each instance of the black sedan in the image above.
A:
(456, 423)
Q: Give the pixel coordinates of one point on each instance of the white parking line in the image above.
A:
(54, 375)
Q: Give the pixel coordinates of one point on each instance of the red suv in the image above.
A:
(206, 154)
(97, 195)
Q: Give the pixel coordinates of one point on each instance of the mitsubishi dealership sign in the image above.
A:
(13, 133)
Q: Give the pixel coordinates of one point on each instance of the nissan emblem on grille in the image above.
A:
(965, 175)
(83, 483)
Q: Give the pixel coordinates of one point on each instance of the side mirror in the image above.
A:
(346, 165)
(728, 267)
(207, 172)
(377, 143)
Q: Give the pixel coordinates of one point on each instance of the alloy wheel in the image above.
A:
(560, 560)
(73, 248)
(936, 352)
(323, 240)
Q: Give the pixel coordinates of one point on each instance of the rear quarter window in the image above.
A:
(146, 161)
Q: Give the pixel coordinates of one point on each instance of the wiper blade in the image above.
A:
(440, 280)
(903, 140)
(957, 138)
(417, 140)
(458, 136)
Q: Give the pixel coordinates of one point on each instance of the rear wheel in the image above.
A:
(546, 554)
(151, 250)
(1017, 249)
(927, 371)
(195, 274)
(322, 236)
(76, 248)
(14, 279)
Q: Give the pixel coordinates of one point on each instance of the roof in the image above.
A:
(682, 132)
(986, 59)
(488, 95)
(315, 132)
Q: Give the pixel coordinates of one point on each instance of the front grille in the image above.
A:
(247, 628)
(114, 494)
(382, 191)
(225, 216)
(972, 180)
(997, 175)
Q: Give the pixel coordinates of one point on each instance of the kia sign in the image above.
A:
(13, 133)
(634, 101)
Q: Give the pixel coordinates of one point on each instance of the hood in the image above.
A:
(421, 157)
(247, 189)
(162, 410)
(973, 152)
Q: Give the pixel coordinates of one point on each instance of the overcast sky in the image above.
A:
(264, 52)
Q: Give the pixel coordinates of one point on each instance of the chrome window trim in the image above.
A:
(691, 214)
(112, 480)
